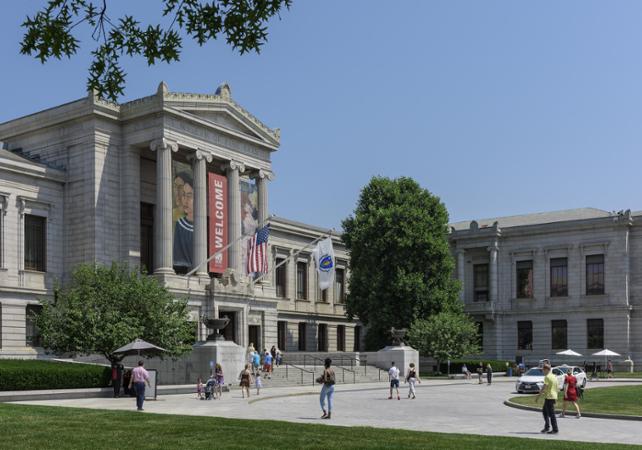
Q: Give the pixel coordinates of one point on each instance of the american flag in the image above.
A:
(257, 253)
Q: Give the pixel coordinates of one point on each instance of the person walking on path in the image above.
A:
(480, 373)
(393, 376)
(328, 380)
(489, 374)
(267, 365)
(570, 394)
(412, 379)
(246, 379)
(609, 369)
(549, 392)
(220, 381)
(256, 362)
(140, 376)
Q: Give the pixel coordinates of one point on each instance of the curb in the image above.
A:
(587, 414)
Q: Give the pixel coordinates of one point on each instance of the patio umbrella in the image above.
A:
(138, 346)
(606, 353)
(568, 352)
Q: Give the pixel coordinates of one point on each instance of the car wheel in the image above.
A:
(584, 383)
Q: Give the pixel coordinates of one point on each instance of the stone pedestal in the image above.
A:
(401, 355)
(230, 356)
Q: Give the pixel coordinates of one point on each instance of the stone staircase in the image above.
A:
(305, 375)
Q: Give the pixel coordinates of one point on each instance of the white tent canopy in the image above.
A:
(606, 352)
(568, 352)
(138, 346)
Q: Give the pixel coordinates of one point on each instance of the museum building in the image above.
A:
(162, 182)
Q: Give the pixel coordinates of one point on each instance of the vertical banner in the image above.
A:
(217, 210)
(183, 215)
(249, 215)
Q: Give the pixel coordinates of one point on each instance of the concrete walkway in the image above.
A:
(446, 406)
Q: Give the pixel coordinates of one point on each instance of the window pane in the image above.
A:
(595, 333)
(524, 279)
(558, 334)
(301, 280)
(595, 275)
(480, 282)
(280, 277)
(32, 333)
(302, 336)
(35, 243)
(559, 277)
(525, 335)
(339, 286)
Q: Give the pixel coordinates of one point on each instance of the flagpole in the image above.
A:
(308, 245)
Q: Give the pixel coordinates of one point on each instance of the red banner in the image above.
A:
(217, 210)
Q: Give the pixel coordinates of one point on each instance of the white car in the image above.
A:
(533, 380)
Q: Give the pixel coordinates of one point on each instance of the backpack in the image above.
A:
(329, 378)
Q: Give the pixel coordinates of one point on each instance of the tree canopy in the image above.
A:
(400, 262)
(104, 308)
(52, 33)
(444, 336)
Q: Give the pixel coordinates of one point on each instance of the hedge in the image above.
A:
(472, 364)
(21, 375)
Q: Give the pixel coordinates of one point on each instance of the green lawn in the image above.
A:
(42, 427)
(611, 400)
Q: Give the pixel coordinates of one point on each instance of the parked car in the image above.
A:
(533, 380)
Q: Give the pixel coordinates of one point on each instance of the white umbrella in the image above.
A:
(606, 353)
(137, 346)
(568, 352)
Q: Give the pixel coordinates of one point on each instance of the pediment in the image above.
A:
(224, 119)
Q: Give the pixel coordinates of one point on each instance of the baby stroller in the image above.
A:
(209, 389)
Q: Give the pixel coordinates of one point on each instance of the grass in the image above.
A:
(45, 427)
(625, 400)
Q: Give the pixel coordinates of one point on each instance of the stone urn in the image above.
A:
(217, 325)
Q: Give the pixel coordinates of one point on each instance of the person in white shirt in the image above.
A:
(393, 375)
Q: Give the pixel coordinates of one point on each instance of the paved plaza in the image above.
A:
(441, 406)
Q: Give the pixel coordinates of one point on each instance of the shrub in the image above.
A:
(472, 364)
(21, 375)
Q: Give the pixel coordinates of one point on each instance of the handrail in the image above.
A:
(301, 370)
(343, 373)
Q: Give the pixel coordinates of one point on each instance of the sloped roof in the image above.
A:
(536, 218)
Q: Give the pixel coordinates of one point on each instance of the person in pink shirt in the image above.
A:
(140, 376)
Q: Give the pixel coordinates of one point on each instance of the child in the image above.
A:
(412, 379)
(199, 389)
(259, 383)
(220, 381)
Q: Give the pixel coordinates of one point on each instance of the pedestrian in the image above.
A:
(328, 380)
(220, 381)
(116, 378)
(256, 362)
(412, 379)
(570, 394)
(140, 376)
(549, 391)
(609, 369)
(267, 365)
(480, 373)
(466, 372)
(259, 383)
(279, 357)
(489, 374)
(246, 379)
(393, 377)
(199, 388)
(273, 353)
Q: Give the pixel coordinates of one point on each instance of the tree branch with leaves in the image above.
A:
(52, 33)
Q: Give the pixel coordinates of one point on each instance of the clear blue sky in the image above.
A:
(498, 107)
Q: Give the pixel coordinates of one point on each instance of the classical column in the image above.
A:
(493, 271)
(262, 177)
(234, 170)
(199, 164)
(461, 267)
(163, 212)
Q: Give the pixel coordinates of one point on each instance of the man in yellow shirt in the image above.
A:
(550, 390)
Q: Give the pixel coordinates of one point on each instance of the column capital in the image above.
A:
(263, 175)
(235, 165)
(200, 155)
(163, 144)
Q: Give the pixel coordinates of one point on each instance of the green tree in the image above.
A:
(400, 261)
(104, 308)
(444, 336)
(52, 33)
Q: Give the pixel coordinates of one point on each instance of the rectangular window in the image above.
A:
(524, 279)
(147, 237)
(357, 339)
(480, 334)
(595, 333)
(559, 277)
(301, 280)
(559, 335)
(322, 338)
(302, 336)
(595, 275)
(282, 334)
(339, 286)
(341, 338)
(32, 334)
(480, 282)
(525, 335)
(35, 243)
(323, 295)
(280, 275)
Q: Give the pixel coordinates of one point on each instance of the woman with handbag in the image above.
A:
(327, 391)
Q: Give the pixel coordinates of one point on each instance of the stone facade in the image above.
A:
(89, 166)
(541, 247)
